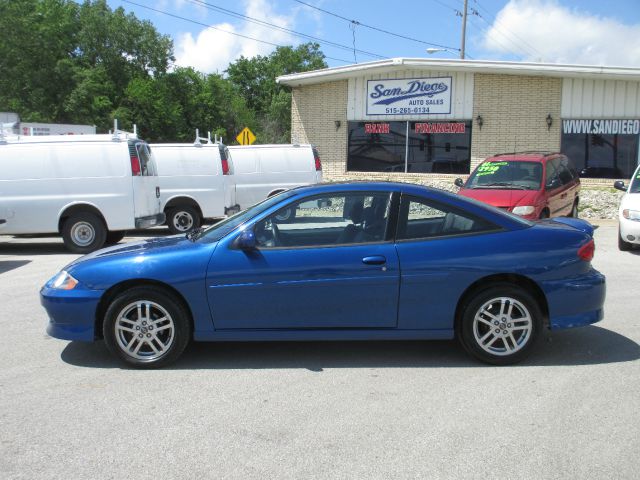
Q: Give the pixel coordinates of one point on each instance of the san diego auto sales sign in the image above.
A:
(409, 96)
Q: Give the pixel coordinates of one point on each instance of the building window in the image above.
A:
(602, 148)
(413, 147)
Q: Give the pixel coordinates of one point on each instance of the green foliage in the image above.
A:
(66, 62)
(255, 79)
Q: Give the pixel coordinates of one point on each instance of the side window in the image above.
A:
(552, 178)
(422, 219)
(343, 219)
(564, 171)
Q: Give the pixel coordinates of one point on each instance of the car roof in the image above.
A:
(524, 156)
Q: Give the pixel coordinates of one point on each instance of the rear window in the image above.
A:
(147, 165)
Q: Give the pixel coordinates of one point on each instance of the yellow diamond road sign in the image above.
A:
(246, 137)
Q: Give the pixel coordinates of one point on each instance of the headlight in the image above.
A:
(526, 210)
(631, 214)
(63, 281)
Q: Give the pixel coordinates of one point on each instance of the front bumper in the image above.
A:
(150, 221)
(72, 313)
(629, 230)
(576, 301)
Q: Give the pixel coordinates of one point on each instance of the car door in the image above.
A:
(442, 250)
(333, 266)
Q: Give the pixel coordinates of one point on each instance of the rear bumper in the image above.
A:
(576, 301)
(150, 221)
(232, 210)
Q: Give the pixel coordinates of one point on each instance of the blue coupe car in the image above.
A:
(346, 261)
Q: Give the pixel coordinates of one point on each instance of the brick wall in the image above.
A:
(514, 109)
(314, 111)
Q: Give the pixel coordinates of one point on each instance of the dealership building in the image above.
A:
(413, 119)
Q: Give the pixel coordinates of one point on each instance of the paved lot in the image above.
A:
(318, 410)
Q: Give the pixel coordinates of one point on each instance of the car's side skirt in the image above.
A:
(321, 334)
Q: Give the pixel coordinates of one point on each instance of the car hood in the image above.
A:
(144, 247)
(500, 197)
(630, 201)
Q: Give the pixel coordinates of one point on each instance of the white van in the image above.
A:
(195, 183)
(264, 170)
(88, 188)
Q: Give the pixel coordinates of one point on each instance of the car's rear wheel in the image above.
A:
(574, 210)
(623, 246)
(183, 219)
(146, 327)
(84, 232)
(544, 214)
(500, 324)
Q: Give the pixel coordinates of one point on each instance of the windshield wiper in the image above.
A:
(194, 234)
(502, 184)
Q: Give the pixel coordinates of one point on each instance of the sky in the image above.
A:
(587, 32)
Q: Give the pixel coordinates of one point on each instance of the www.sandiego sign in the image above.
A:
(409, 96)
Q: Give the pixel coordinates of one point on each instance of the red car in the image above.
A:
(532, 185)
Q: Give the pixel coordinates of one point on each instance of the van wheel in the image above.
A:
(286, 215)
(115, 237)
(84, 232)
(183, 219)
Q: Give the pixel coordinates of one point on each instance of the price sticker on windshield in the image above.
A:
(489, 168)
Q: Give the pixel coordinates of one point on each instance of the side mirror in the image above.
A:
(246, 240)
(458, 182)
(619, 185)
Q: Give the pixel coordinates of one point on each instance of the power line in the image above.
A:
(266, 24)
(530, 48)
(358, 23)
(218, 29)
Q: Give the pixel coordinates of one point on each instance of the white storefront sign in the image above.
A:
(409, 96)
(601, 127)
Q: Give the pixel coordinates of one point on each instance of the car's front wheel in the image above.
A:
(499, 325)
(147, 327)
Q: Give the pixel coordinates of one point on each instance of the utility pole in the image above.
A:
(464, 29)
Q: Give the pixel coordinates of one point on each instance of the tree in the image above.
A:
(255, 79)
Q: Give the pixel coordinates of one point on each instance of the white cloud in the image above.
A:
(212, 49)
(543, 30)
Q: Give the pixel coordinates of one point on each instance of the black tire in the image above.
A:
(477, 325)
(115, 237)
(622, 245)
(122, 326)
(84, 232)
(574, 209)
(183, 219)
(286, 215)
(544, 214)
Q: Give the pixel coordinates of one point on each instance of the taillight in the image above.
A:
(135, 166)
(586, 251)
(225, 166)
(318, 163)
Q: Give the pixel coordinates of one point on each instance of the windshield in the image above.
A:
(507, 175)
(634, 187)
(220, 229)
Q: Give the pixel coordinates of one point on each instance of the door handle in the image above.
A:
(374, 260)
